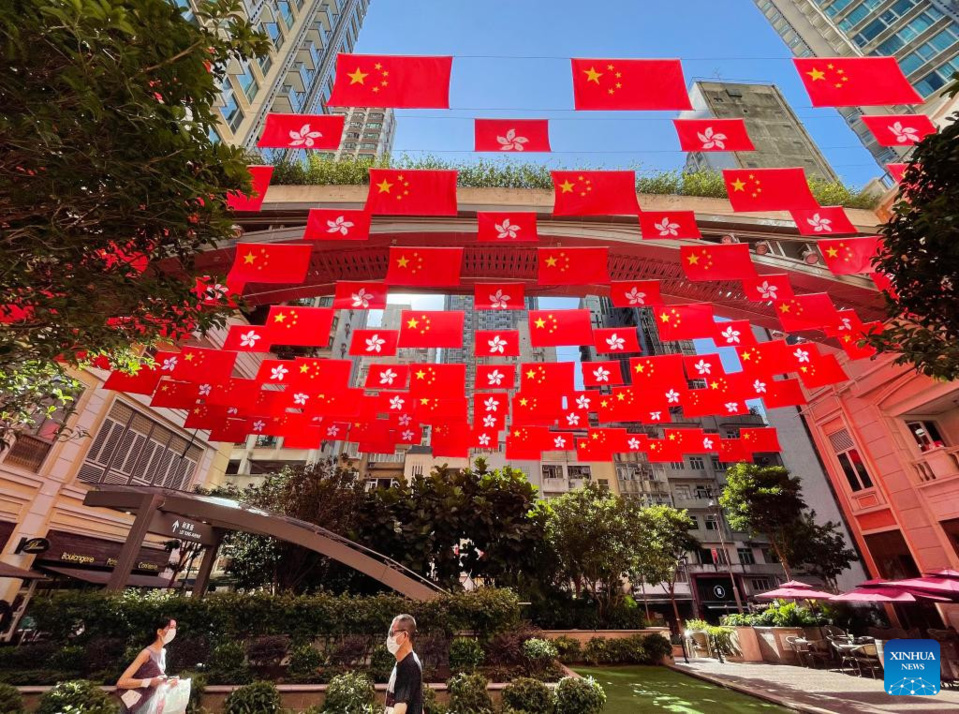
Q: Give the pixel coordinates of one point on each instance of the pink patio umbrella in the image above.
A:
(946, 587)
(879, 591)
(945, 573)
(795, 590)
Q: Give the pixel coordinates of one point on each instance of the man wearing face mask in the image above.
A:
(404, 694)
(139, 683)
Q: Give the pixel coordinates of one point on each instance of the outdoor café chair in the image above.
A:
(867, 657)
(800, 647)
(819, 651)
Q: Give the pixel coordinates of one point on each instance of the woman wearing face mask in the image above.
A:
(140, 681)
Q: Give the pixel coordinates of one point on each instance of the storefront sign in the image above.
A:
(33, 546)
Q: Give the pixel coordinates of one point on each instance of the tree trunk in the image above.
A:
(672, 599)
(782, 560)
(642, 585)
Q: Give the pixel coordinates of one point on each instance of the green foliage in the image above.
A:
(267, 650)
(819, 548)
(783, 614)
(466, 654)
(665, 541)
(431, 703)
(305, 660)
(85, 696)
(921, 255)
(528, 695)
(115, 174)
(576, 695)
(350, 693)
(228, 664)
(539, 650)
(657, 648)
(256, 698)
(70, 658)
(11, 701)
(381, 664)
(468, 694)
(634, 649)
(568, 650)
(197, 687)
(559, 610)
(697, 625)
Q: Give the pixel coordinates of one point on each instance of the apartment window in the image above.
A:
(552, 471)
(373, 125)
(890, 46)
(273, 30)
(760, 584)
(769, 556)
(349, 145)
(266, 61)
(850, 460)
(130, 448)
(32, 446)
(367, 145)
(286, 11)
(697, 463)
(265, 442)
(707, 556)
(926, 434)
(703, 491)
(712, 522)
(231, 109)
(720, 556)
(714, 461)
(677, 465)
(187, 9)
(746, 556)
(869, 32)
(376, 115)
(580, 472)
(695, 520)
(371, 135)
(248, 82)
(416, 470)
(682, 491)
(356, 125)
(604, 483)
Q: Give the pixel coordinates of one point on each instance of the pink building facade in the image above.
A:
(889, 439)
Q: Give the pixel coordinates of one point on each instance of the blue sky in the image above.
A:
(511, 61)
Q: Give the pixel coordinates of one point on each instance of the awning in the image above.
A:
(100, 577)
(12, 571)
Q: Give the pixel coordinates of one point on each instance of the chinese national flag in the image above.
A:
(602, 374)
(302, 131)
(661, 369)
(713, 135)
(897, 171)
(271, 263)
(434, 410)
(734, 450)
(768, 190)
(572, 266)
(848, 256)
(387, 376)
(495, 376)
(785, 393)
(230, 431)
(823, 221)
(337, 224)
(820, 371)
(556, 328)
(662, 451)
(438, 380)
(260, 176)
(248, 338)
(553, 377)
(512, 135)
(685, 322)
(435, 328)
(400, 82)
(772, 286)
(497, 343)
(329, 375)
(527, 442)
(234, 392)
(300, 326)
(424, 267)
(601, 444)
(855, 81)
(374, 343)
(203, 416)
(451, 440)
(850, 340)
(764, 359)
(635, 293)
(762, 439)
(506, 227)
(352, 295)
(629, 84)
(616, 341)
(594, 193)
(814, 311)
(540, 409)
(143, 381)
(418, 192)
(499, 296)
(717, 262)
(197, 364)
(664, 225)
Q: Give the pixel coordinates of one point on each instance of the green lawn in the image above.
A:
(658, 689)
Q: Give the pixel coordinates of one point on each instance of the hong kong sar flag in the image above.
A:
(635, 293)
(855, 81)
(630, 84)
(336, 224)
(594, 193)
(400, 82)
(497, 343)
(899, 129)
(302, 131)
(660, 225)
(260, 177)
(768, 190)
(352, 295)
(512, 135)
(823, 221)
(502, 227)
(499, 296)
(421, 192)
(713, 135)
(495, 376)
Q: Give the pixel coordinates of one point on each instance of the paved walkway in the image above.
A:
(816, 690)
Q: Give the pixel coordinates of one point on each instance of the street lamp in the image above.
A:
(729, 562)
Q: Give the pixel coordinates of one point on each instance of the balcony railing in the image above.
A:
(936, 464)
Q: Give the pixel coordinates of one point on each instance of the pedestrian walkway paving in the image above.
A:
(815, 690)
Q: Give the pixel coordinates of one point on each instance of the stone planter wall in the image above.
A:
(584, 636)
(772, 643)
(745, 640)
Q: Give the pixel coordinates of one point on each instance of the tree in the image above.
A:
(109, 182)
(921, 256)
(819, 549)
(664, 543)
(764, 500)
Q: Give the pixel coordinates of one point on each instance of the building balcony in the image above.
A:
(757, 569)
(937, 464)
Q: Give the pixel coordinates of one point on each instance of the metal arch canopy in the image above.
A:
(228, 515)
(630, 257)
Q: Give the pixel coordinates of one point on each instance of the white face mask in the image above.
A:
(392, 645)
(168, 637)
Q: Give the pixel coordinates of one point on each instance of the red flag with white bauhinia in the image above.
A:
(703, 366)
(553, 377)
(717, 261)
(337, 224)
(556, 328)
(439, 380)
(394, 81)
(260, 177)
(855, 81)
(387, 376)
(302, 131)
(616, 340)
(823, 221)
(424, 267)
(561, 441)
(713, 135)
(511, 135)
(816, 369)
(431, 328)
(665, 225)
(572, 266)
(499, 296)
(772, 286)
(352, 295)
(629, 84)
(602, 374)
(733, 333)
(420, 192)
(635, 293)
(848, 256)
(300, 326)
(270, 263)
(495, 376)
(768, 190)
(497, 343)
(594, 193)
(807, 312)
(506, 227)
(899, 129)
(374, 343)
(490, 410)
(685, 322)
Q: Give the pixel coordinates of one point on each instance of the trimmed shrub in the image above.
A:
(82, 695)
(11, 702)
(431, 703)
(228, 665)
(256, 698)
(267, 650)
(526, 694)
(350, 693)
(468, 694)
(657, 647)
(305, 660)
(197, 687)
(579, 696)
(381, 664)
(466, 654)
(539, 651)
(596, 652)
(351, 650)
(507, 647)
(568, 650)
(71, 658)
(187, 652)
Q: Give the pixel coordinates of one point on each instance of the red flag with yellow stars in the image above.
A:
(511, 135)
(855, 81)
(768, 190)
(143, 381)
(807, 312)
(270, 263)
(495, 376)
(331, 375)
(230, 431)
(661, 369)
(400, 82)
(572, 266)
(506, 227)
(765, 358)
(659, 451)
(527, 442)
(248, 338)
(635, 293)
(823, 221)
(424, 267)
(629, 84)
(260, 177)
(418, 192)
(688, 441)
(437, 380)
(897, 171)
(717, 261)
(175, 395)
(772, 286)
(352, 295)
(853, 341)
(601, 444)
(300, 326)
(784, 393)
(302, 131)
(733, 333)
(685, 322)
(451, 440)
(622, 404)
(668, 225)
(616, 340)
(497, 343)
(761, 439)
(337, 224)
(387, 376)
(713, 135)
(197, 364)
(700, 403)
(234, 392)
(732, 451)
(431, 328)
(434, 410)
(602, 374)
(556, 328)
(594, 193)
(553, 377)
(204, 416)
(848, 256)
(499, 296)
(374, 343)
(539, 409)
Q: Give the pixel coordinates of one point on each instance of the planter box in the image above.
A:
(584, 636)
(772, 643)
(745, 641)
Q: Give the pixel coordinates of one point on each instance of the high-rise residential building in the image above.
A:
(923, 35)
(780, 139)
(367, 133)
